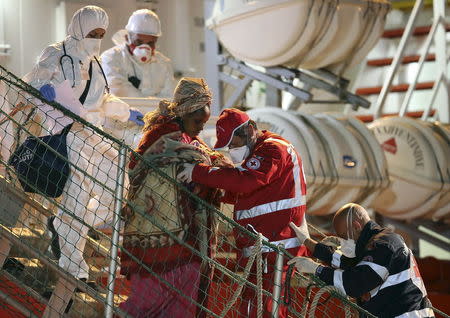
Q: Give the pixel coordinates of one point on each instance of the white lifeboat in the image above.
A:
(299, 33)
(442, 210)
(342, 159)
(418, 155)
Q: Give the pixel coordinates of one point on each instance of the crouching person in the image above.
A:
(373, 265)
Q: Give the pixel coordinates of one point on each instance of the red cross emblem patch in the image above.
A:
(253, 163)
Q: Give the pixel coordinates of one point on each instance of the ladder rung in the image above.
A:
(394, 88)
(369, 118)
(421, 30)
(405, 60)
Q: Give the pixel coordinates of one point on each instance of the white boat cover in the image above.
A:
(307, 34)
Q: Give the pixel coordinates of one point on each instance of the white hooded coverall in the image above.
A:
(90, 155)
(156, 77)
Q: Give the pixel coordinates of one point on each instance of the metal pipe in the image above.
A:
(398, 57)
(422, 59)
(212, 69)
(427, 110)
(116, 230)
(277, 282)
(239, 92)
(263, 77)
(440, 47)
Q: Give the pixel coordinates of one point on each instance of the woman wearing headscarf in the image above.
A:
(74, 61)
(157, 207)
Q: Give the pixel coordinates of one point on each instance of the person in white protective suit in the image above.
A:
(134, 67)
(75, 60)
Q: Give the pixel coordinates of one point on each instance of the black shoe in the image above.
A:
(93, 234)
(69, 305)
(90, 283)
(54, 243)
(13, 266)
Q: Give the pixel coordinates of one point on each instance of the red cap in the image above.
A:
(229, 121)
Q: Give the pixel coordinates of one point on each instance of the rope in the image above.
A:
(259, 277)
(256, 251)
(316, 299)
(341, 297)
(306, 301)
(315, 229)
(287, 285)
(443, 314)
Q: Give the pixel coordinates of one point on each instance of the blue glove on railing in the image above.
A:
(136, 117)
(48, 92)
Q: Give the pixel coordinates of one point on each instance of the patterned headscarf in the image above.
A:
(190, 95)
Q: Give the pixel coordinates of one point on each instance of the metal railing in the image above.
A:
(441, 76)
(220, 274)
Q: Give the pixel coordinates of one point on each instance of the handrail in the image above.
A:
(422, 59)
(10, 236)
(397, 59)
(20, 195)
(427, 110)
(116, 230)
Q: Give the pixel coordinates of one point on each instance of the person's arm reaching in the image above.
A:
(302, 234)
(331, 256)
(323, 252)
(241, 180)
(355, 281)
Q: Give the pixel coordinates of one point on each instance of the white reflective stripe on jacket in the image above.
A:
(287, 243)
(298, 200)
(422, 313)
(403, 276)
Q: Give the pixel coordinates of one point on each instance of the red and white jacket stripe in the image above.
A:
(268, 191)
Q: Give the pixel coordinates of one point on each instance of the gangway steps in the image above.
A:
(30, 302)
(418, 31)
(64, 283)
(42, 275)
(406, 60)
(369, 117)
(399, 88)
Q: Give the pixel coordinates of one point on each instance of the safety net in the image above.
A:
(91, 238)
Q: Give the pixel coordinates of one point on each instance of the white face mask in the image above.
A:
(239, 154)
(348, 246)
(91, 46)
(143, 54)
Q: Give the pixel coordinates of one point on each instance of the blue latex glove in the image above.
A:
(48, 92)
(136, 117)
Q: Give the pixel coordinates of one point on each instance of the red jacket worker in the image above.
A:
(267, 188)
